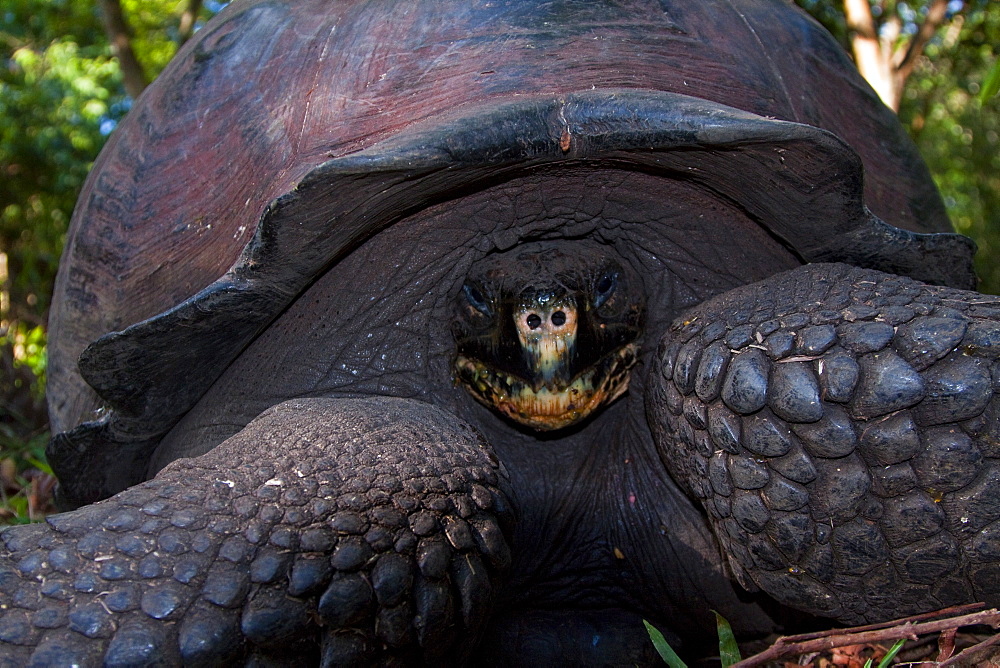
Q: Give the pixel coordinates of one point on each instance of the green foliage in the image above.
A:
(55, 92)
(23, 434)
(155, 31)
(951, 110)
(27, 346)
(831, 14)
(25, 479)
(729, 651)
(992, 84)
(61, 94)
(958, 132)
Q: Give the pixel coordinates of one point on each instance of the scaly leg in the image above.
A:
(332, 531)
(841, 427)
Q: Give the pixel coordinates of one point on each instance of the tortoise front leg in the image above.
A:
(841, 427)
(343, 531)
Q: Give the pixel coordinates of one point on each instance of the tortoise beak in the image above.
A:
(553, 388)
(549, 407)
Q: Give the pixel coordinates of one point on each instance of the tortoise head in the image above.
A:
(547, 333)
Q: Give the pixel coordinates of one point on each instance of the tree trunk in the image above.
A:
(188, 19)
(935, 17)
(869, 55)
(121, 45)
(884, 65)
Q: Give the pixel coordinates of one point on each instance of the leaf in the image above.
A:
(666, 652)
(991, 86)
(887, 659)
(729, 651)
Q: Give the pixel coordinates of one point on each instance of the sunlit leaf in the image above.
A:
(952, 110)
(991, 86)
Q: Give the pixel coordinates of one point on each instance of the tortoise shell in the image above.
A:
(287, 134)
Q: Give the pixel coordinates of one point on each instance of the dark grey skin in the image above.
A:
(291, 473)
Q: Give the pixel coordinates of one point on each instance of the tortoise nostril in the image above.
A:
(558, 318)
(534, 322)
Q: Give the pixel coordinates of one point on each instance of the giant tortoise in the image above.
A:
(468, 331)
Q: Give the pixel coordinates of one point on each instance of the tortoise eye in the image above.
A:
(604, 288)
(476, 299)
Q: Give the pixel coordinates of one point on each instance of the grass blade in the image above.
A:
(665, 651)
(887, 659)
(729, 651)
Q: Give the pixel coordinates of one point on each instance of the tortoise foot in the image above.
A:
(328, 531)
(841, 428)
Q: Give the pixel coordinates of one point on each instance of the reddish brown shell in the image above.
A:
(268, 91)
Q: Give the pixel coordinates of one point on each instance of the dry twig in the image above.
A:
(907, 627)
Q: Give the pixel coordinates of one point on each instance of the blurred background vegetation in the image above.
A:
(71, 70)
(73, 67)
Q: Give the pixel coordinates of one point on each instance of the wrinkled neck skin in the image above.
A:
(596, 510)
(612, 519)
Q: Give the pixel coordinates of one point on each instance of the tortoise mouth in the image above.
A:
(554, 405)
